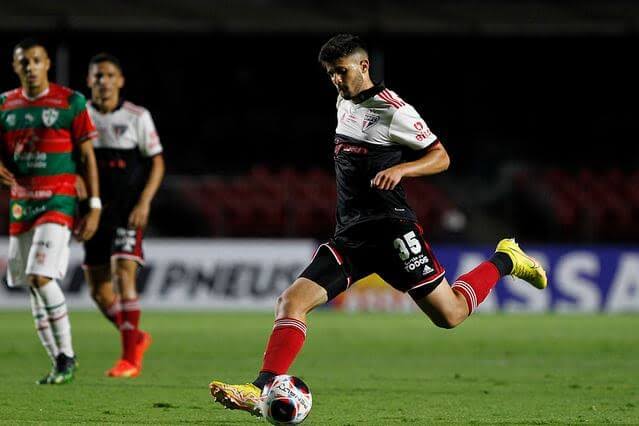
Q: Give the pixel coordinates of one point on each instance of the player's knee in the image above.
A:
(446, 323)
(288, 305)
(450, 318)
(37, 280)
(99, 294)
(123, 276)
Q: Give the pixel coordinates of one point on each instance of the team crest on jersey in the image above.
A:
(370, 120)
(119, 129)
(49, 116)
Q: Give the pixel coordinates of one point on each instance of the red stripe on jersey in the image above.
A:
(57, 97)
(16, 228)
(82, 127)
(389, 100)
(393, 97)
(22, 193)
(52, 141)
(335, 253)
(39, 187)
(46, 181)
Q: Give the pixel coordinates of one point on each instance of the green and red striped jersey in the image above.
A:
(39, 139)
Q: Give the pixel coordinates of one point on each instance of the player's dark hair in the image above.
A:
(28, 43)
(105, 57)
(340, 46)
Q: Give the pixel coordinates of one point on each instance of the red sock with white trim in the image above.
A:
(129, 328)
(477, 284)
(283, 346)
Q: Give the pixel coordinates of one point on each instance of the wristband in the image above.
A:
(95, 203)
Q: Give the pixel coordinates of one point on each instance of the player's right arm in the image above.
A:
(434, 161)
(6, 177)
(407, 128)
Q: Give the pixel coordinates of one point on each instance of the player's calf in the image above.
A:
(445, 307)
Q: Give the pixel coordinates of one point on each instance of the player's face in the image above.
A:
(31, 65)
(348, 75)
(105, 80)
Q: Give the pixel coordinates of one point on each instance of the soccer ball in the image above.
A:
(286, 400)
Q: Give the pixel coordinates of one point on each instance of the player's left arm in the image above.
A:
(150, 147)
(139, 216)
(83, 132)
(88, 224)
(407, 128)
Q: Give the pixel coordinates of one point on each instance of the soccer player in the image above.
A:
(380, 140)
(45, 131)
(126, 146)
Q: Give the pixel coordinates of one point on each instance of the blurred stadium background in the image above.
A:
(535, 102)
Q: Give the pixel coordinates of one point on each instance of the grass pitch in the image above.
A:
(369, 369)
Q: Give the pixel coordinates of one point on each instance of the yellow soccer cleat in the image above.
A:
(237, 397)
(524, 266)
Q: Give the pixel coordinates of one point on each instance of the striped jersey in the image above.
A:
(39, 137)
(375, 130)
(126, 139)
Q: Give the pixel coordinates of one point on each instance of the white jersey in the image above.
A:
(383, 119)
(128, 127)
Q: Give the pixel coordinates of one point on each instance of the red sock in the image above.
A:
(283, 346)
(476, 284)
(114, 312)
(129, 328)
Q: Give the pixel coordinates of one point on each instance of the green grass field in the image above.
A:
(373, 369)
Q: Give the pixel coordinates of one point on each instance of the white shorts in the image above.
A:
(43, 250)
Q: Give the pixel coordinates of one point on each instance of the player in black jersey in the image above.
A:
(380, 140)
(131, 167)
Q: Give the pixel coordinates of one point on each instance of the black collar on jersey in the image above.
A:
(368, 93)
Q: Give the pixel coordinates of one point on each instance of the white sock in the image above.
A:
(42, 326)
(56, 307)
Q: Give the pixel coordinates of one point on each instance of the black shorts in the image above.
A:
(113, 239)
(395, 250)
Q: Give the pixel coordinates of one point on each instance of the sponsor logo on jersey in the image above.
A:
(29, 117)
(370, 120)
(423, 132)
(11, 120)
(415, 262)
(49, 116)
(427, 270)
(17, 211)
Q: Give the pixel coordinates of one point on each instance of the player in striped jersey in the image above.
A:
(45, 130)
(379, 140)
(131, 167)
